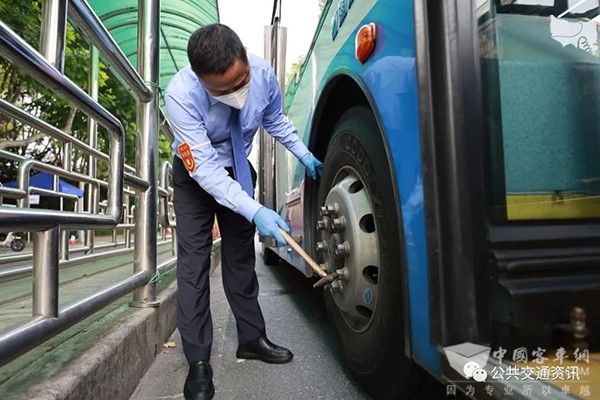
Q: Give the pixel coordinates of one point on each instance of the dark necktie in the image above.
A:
(241, 167)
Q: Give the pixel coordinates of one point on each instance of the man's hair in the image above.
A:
(214, 48)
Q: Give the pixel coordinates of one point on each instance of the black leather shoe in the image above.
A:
(199, 385)
(263, 349)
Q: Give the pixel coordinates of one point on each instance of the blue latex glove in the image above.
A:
(268, 222)
(313, 166)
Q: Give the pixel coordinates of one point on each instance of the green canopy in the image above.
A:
(179, 19)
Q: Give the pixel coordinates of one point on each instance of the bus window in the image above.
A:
(540, 62)
(558, 8)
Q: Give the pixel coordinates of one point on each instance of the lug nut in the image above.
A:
(337, 287)
(343, 274)
(323, 224)
(333, 209)
(342, 249)
(329, 210)
(338, 224)
(321, 246)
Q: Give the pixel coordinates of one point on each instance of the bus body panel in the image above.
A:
(389, 79)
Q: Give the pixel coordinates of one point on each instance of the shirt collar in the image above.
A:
(212, 100)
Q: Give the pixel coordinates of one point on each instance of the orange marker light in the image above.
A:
(365, 41)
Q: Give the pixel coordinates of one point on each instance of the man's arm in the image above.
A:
(278, 126)
(208, 171)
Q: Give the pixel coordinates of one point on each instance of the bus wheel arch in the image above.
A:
(342, 92)
(374, 348)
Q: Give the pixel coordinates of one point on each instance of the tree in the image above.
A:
(294, 68)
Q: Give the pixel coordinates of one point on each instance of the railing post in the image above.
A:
(52, 46)
(45, 273)
(147, 150)
(81, 208)
(127, 231)
(54, 32)
(92, 128)
(64, 235)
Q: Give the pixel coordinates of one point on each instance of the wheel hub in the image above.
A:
(349, 246)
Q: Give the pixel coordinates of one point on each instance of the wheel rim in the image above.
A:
(349, 245)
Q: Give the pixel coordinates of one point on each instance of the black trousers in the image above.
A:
(195, 211)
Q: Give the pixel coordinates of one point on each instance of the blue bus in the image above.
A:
(460, 198)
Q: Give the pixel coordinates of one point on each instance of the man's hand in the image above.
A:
(268, 222)
(313, 166)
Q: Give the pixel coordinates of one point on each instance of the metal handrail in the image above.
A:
(53, 193)
(90, 24)
(85, 18)
(165, 173)
(28, 119)
(12, 193)
(39, 330)
(19, 272)
(28, 256)
(48, 319)
(22, 54)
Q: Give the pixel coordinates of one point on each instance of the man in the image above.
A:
(215, 106)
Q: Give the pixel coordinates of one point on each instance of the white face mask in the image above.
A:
(236, 99)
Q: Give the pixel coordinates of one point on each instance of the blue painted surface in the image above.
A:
(390, 77)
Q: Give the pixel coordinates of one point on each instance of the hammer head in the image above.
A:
(326, 280)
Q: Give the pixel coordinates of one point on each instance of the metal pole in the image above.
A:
(35, 332)
(281, 67)
(52, 46)
(54, 32)
(131, 221)
(274, 46)
(173, 241)
(81, 207)
(45, 273)
(92, 127)
(15, 49)
(127, 232)
(64, 235)
(96, 33)
(147, 150)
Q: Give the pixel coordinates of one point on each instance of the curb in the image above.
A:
(113, 367)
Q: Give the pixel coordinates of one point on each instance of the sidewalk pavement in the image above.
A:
(295, 317)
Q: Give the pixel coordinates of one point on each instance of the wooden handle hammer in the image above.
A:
(325, 278)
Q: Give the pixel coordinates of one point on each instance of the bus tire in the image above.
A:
(376, 352)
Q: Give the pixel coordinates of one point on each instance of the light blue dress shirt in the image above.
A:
(202, 122)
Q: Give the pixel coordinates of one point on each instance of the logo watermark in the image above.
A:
(558, 373)
(469, 359)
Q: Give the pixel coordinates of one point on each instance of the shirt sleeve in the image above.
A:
(277, 125)
(208, 170)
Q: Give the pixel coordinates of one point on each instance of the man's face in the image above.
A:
(236, 76)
